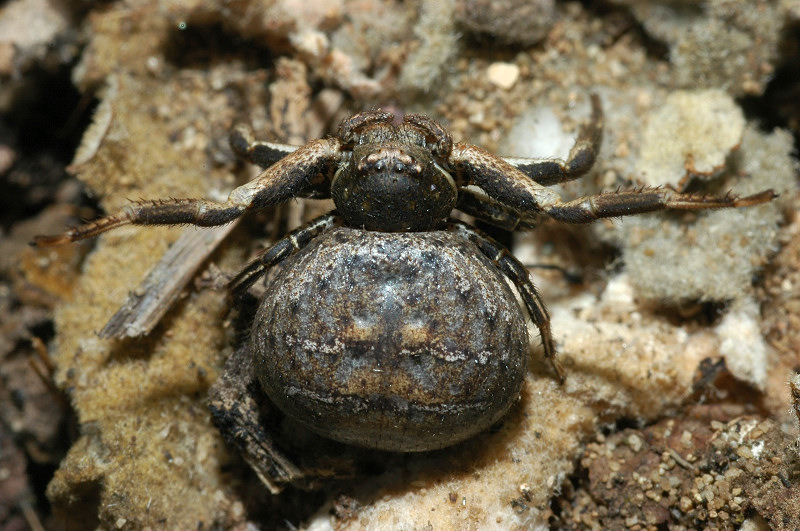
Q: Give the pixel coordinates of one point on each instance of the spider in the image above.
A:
(390, 325)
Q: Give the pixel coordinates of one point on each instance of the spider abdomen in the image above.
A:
(395, 341)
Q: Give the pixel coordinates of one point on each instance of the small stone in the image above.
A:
(634, 442)
(503, 75)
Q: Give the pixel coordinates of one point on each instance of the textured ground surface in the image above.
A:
(679, 339)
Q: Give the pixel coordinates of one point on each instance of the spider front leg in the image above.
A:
(504, 183)
(301, 173)
(581, 157)
(643, 200)
(516, 272)
(442, 140)
(350, 128)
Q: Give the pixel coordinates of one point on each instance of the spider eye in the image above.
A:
(393, 160)
(393, 189)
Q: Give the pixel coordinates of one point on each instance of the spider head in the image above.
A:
(393, 186)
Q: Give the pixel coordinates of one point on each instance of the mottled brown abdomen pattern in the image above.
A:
(396, 341)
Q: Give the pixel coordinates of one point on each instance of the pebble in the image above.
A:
(503, 75)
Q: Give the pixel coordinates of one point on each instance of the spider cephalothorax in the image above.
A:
(391, 325)
(391, 178)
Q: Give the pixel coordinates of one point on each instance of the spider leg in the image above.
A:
(301, 173)
(581, 157)
(642, 200)
(442, 139)
(506, 184)
(262, 154)
(282, 249)
(350, 127)
(486, 209)
(516, 272)
(236, 408)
